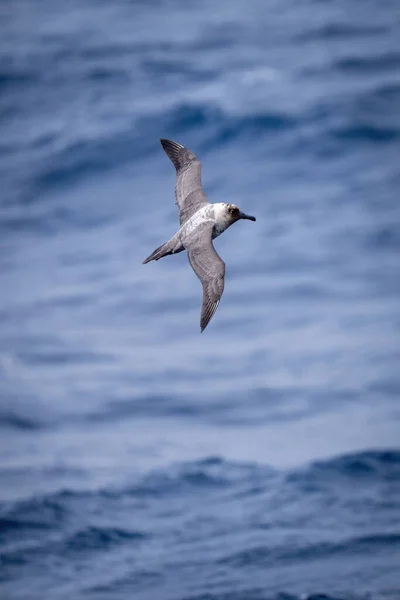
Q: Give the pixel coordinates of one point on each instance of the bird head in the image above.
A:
(235, 214)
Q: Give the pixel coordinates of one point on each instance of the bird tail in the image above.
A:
(158, 253)
(164, 250)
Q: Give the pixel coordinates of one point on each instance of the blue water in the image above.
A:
(140, 459)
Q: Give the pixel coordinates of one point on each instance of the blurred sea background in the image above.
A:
(140, 459)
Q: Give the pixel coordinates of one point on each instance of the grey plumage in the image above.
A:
(201, 222)
(209, 268)
(189, 193)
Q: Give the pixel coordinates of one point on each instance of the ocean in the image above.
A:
(139, 459)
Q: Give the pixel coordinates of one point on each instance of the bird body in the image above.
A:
(201, 222)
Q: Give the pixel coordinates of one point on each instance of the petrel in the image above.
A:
(200, 223)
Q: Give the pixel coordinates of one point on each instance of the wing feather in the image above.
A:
(210, 269)
(189, 193)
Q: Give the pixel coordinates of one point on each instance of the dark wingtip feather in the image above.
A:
(174, 151)
(207, 315)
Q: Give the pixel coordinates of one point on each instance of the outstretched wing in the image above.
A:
(189, 192)
(209, 268)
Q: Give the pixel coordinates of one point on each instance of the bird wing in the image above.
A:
(189, 191)
(209, 268)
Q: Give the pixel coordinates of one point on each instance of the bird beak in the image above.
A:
(244, 216)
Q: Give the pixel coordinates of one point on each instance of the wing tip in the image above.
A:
(167, 142)
(177, 153)
(206, 318)
(171, 147)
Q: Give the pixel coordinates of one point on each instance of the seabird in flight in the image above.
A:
(200, 223)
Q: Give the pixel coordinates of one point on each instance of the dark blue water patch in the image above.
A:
(371, 116)
(260, 125)
(374, 134)
(111, 76)
(26, 73)
(362, 121)
(10, 78)
(208, 475)
(77, 257)
(204, 476)
(387, 387)
(363, 545)
(61, 524)
(78, 299)
(329, 597)
(284, 596)
(369, 465)
(52, 350)
(263, 404)
(214, 37)
(84, 158)
(260, 594)
(185, 117)
(57, 219)
(218, 127)
(378, 462)
(353, 546)
(100, 538)
(10, 419)
(53, 510)
(255, 593)
(388, 92)
(63, 507)
(192, 72)
(341, 32)
(114, 51)
(154, 304)
(18, 224)
(7, 525)
(139, 140)
(139, 580)
(46, 513)
(86, 543)
(69, 528)
(156, 405)
(367, 64)
(223, 411)
(56, 356)
(384, 238)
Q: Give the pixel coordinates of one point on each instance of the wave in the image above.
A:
(81, 158)
(371, 463)
(341, 31)
(100, 538)
(351, 546)
(360, 64)
(225, 530)
(212, 472)
(139, 140)
(13, 420)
